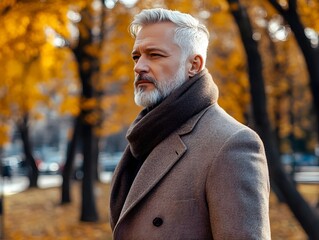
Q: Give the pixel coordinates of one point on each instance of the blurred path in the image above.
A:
(20, 183)
(307, 178)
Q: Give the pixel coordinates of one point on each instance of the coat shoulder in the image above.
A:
(216, 124)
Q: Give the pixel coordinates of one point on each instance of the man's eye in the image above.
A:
(135, 58)
(155, 55)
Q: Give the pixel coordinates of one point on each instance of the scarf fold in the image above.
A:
(153, 125)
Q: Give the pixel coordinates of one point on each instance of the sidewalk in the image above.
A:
(307, 177)
(20, 183)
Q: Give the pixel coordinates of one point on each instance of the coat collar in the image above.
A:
(153, 169)
(191, 123)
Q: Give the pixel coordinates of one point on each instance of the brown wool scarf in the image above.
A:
(153, 125)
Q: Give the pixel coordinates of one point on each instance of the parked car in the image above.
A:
(109, 161)
(300, 159)
(13, 165)
(52, 163)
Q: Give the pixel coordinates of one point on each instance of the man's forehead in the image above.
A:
(159, 30)
(158, 35)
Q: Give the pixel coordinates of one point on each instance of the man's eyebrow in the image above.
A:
(134, 52)
(149, 49)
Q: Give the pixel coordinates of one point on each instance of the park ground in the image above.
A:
(36, 214)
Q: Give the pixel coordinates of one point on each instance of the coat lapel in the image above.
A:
(156, 166)
(153, 170)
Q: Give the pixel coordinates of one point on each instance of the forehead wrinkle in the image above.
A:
(147, 49)
(148, 45)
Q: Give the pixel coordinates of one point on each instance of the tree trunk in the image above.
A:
(88, 207)
(96, 166)
(89, 212)
(68, 167)
(89, 67)
(310, 53)
(33, 172)
(306, 216)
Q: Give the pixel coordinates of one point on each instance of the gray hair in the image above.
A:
(190, 34)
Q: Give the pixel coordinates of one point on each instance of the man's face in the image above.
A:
(159, 67)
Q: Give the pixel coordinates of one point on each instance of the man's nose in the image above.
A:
(141, 65)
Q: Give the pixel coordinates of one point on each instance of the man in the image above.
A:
(190, 170)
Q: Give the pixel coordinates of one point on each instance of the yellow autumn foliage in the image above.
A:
(31, 66)
(36, 70)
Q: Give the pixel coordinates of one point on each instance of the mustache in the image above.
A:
(144, 77)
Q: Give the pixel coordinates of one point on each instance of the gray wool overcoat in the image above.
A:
(207, 180)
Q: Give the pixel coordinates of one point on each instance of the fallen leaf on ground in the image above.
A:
(37, 214)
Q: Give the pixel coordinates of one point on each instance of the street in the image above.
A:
(20, 183)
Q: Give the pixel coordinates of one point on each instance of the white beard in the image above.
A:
(162, 89)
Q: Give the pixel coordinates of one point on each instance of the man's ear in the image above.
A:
(196, 64)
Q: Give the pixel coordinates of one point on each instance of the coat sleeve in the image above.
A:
(237, 189)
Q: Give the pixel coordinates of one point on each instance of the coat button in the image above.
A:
(157, 222)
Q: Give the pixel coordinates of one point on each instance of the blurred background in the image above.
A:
(66, 101)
